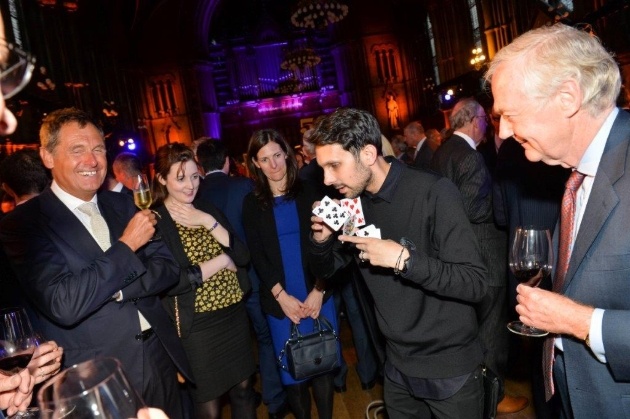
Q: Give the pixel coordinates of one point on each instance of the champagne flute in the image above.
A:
(143, 199)
(92, 389)
(531, 259)
(18, 342)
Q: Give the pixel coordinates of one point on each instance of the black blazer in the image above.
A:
(465, 167)
(190, 275)
(262, 238)
(424, 156)
(71, 281)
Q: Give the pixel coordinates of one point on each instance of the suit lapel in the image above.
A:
(65, 225)
(113, 210)
(603, 198)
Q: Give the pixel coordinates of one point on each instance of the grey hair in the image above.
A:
(464, 112)
(548, 56)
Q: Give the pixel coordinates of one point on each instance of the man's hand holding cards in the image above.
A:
(331, 213)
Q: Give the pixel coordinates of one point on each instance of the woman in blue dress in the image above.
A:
(277, 221)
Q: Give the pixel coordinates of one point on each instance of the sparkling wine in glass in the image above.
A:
(96, 388)
(18, 342)
(143, 199)
(142, 193)
(530, 260)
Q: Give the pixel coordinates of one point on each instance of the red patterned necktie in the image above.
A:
(567, 223)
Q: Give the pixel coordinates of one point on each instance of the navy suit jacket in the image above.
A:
(227, 193)
(71, 281)
(599, 276)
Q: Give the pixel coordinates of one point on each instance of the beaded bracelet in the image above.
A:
(215, 225)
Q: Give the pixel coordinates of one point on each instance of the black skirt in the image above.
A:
(220, 352)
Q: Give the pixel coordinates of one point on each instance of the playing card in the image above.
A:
(355, 209)
(349, 227)
(332, 213)
(369, 231)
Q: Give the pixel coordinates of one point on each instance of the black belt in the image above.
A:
(144, 335)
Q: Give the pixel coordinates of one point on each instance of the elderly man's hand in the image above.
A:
(553, 312)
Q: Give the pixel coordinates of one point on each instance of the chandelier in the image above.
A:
(478, 59)
(318, 13)
(299, 59)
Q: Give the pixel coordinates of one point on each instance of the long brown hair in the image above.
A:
(165, 157)
(262, 189)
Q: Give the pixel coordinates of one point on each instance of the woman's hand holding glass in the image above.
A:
(46, 361)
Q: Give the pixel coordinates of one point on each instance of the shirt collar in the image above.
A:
(592, 156)
(388, 188)
(70, 201)
(469, 140)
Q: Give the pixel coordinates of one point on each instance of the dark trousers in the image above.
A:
(160, 387)
(273, 394)
(493, 333)
(467, 403)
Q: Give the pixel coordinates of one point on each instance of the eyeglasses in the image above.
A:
(16, 69)
(484, 117)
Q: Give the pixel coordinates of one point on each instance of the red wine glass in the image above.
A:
(18, 342)
(530, 260)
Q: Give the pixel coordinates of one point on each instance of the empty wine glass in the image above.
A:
(92, 389)
(18, 342)
(143, 198)
(531, 259)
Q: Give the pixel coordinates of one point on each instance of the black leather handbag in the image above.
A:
(313, 354)
(491, 389)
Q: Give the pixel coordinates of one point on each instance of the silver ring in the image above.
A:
(361, 256)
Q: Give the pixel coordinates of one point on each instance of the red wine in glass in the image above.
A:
(16, 363)
(531, 259)
(18, 342)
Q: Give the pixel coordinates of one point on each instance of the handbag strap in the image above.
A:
(295, 334)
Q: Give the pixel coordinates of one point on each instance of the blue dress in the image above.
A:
(288, 228)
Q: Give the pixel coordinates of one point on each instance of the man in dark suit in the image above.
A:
(417, 140)
(126, 168)
(561, 108)
(227, 194)
(458, 160)
(95, 278)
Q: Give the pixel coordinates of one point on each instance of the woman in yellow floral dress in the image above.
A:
(207, 305)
